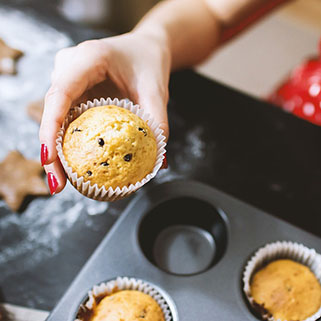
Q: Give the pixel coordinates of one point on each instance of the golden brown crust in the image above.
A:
(8, 58)
(20, 177)
(128, 305)
(110, 146)
(287, 290)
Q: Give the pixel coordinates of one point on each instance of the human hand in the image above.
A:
(135, 65)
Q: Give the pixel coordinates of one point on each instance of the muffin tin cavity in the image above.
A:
(183, 236)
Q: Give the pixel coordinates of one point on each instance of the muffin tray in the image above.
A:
(189, 240)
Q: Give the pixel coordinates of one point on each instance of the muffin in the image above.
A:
(127, 305)
(287, 290)
(125, 298)
(110, 146)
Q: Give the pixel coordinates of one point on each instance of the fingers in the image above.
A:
(56, 177)
(154, 101)
(68, 83)
(64, 90)
(76, 70)
(57, 104)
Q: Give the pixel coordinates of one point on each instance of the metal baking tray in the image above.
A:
(191, 241)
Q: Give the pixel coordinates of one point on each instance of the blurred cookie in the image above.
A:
(20, 177)
(35, 110)
(8, 58)
(4, 314)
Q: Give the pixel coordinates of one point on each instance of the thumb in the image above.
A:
(154, 102)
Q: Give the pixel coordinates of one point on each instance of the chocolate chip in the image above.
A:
(142, 130)
(143, 314)
(76, 130)
(104, 164)
(101, 142)
(128, 157)
(261, 309)
(89, 173)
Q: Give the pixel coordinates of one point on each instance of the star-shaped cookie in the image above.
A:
(20, 177)
(8, 58)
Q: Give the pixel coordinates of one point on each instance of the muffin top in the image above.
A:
(287, 290)
(128, 305)
(110, 146)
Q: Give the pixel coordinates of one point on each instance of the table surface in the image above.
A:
(240, 145)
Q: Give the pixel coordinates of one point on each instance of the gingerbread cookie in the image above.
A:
(35, 110)
(20, 177)
(4, 314)
(8, 58)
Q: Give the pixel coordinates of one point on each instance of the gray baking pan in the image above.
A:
(191, 241)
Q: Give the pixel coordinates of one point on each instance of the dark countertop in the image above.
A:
(240, 145)
(252, 150)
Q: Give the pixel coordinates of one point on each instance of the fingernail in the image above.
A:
(165, 164)
(43, 154)
(52, 182)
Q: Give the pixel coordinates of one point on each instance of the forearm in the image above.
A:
(193, 28)
(187, 27)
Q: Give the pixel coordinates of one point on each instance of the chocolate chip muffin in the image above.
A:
(127, 305)
(110, 146)
(287, 290)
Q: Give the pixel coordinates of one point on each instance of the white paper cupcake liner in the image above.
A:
(280, 250)
(125, 283)
(110, 194)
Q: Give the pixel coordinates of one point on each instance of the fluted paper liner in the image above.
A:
(272, 252)
(110, 194)
(125, 283)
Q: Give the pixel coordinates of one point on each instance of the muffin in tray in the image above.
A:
(287, 290)
(282, 282)
(110, 146)
(127, 305)
(123, 299)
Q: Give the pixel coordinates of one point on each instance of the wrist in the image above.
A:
(154, 36)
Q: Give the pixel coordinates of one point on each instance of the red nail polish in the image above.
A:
(165, 164)
(43, 154)
(52, 182)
